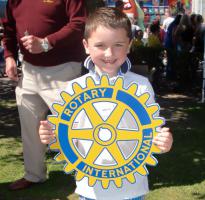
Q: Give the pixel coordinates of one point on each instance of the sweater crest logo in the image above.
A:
(48, 1)
(104, 132)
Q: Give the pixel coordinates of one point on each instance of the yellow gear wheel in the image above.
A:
(105, 136)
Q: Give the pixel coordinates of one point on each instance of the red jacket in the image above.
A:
(61, 21)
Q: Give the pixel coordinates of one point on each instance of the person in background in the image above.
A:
(197, 50)
(184, 34)
(198, 39)
(133, 21)
(49, 35)
(167, 21)
(183, 43)
(138, 40)
(170, 45)
(170, 39)
(193, 20)
(108, 55)
(146, 33)
(155, 37)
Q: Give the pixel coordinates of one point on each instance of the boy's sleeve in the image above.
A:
(151, 92)
(147, 87)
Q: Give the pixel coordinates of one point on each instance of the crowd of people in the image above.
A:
(181, 38)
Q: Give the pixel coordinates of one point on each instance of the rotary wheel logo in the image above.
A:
(104, 132)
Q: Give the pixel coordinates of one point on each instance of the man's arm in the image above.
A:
(10, 44)
(70, 33)
(74, 29)
(9, 38)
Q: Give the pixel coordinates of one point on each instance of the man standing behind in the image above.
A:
(49, 35)
(167, 21)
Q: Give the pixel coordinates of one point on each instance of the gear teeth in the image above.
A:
(143, 98)
(53, 119)
(158, 122)
(131, 178)
(118, 182)
(65, 96)
(133, 89)
(142, 171)
(77, 88)
(54, 146)
(58, 108)
(119, 83)
(92, 181)
(59, 157)
(79, 176)
(152, 161)
(156, 149)
(68, 168)
(90, 82)
(104, 81)
(153, 109)
(105, 183)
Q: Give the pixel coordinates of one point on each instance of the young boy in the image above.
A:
(107, 41)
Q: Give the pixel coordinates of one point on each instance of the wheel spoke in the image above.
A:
(128, 135)
(92, 114)
(94, 152)
(84, 134)
(116, 153)
(116, 114)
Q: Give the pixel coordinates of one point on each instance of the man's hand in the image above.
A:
(32, 44)
(45, 132)
(11, 69)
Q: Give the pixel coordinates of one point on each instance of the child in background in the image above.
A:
(107, 41)
(138, 40)
(155, 37)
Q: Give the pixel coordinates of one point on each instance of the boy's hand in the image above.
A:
(45, 132)
(164, 139)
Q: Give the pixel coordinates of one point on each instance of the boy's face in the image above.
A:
(108, 48)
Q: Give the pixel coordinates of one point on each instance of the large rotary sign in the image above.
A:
(104, 132)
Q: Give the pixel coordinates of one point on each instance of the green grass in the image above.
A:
(180, 174)
(59, 185)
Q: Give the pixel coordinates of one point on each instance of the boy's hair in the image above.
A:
(107, 17)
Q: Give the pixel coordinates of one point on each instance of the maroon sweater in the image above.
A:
(61, 21)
